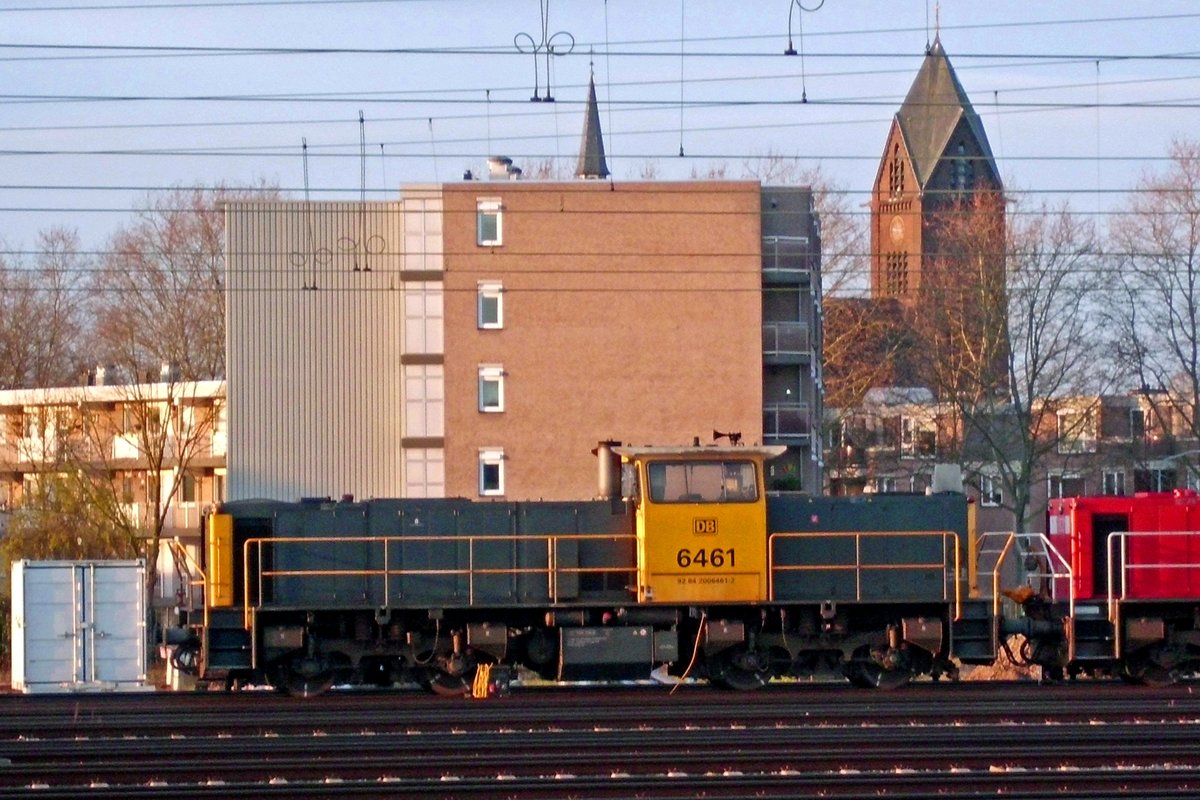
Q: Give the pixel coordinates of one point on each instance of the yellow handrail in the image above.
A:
(190, 572)
(552, 570)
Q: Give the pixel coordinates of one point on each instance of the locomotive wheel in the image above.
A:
(305, 677)
(445, 685)
(864, 672)
(740, 670)
(1145, 671)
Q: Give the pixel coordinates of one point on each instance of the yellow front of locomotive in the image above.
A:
(701, 523)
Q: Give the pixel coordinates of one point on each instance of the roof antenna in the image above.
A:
(383, 166)
(362, 194)
(308, 231)
(607, 82)
(682, 38)
(927, 45)
(433, 147)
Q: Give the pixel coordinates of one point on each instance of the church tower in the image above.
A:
(936, 162)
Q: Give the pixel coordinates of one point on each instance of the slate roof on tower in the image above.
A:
(935, 105)
(591, 150)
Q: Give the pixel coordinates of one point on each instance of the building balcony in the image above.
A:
(786, 343)
(181, 517)
(786, 260)
(787, 422)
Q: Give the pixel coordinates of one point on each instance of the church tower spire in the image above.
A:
(591, 150)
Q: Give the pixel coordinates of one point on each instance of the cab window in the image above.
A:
(702, 482)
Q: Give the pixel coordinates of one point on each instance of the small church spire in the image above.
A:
(591, 150)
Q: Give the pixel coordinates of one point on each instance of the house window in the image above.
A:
(491, 388)
(489, 225)
(991, 493)
(424, 400)
(187, 488)
(490, 305)
(424, 472)
(129, 420)
(491, 471)
(917, 437)
(423, 317)
(1158, 479)
(1075, 432)
(1065, 484)
(885, 484)
(1114, 482)
(1137, 423)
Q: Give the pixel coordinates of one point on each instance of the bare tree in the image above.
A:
(1023, 350)
(159, 294)
(845, 267)
(1156, 269)
(43, 307)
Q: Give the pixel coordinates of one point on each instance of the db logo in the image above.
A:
(704, 527)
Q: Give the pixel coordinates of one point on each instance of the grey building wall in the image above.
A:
(315, 306)
(792, 330)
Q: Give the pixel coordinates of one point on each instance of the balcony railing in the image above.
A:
(786, 259)
(786, 339)
(184, 516)
(784, 420)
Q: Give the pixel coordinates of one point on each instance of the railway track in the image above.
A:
(1088, 740)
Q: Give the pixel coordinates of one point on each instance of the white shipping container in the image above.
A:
(78, 626)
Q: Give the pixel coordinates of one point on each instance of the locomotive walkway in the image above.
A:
(1087, 740)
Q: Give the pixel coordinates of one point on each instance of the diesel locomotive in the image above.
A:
(685, 566)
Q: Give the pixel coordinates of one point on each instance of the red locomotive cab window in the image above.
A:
(702, 482)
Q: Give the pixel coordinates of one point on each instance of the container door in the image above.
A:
(51, 617)
(115, 623)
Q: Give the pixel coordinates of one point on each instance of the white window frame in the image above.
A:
(489, 207)
(1062, 477)
(991, 491)
(491, 457)
(424, 317)
(1082, 439)
(1117, 477)
(490, 291)
(491, 374)
(424, 400)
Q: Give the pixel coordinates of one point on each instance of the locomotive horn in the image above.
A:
(735, 437)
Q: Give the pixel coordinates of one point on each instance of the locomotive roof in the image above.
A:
(693, 451)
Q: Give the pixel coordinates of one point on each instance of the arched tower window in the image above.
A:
(896, 174)
(964, 169)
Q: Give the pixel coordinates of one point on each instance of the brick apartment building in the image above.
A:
(478, 338)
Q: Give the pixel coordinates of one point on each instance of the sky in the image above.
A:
(104, 103)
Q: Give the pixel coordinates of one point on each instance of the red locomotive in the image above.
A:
(1114, 586)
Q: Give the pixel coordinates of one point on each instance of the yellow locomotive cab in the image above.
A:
(701, 523)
